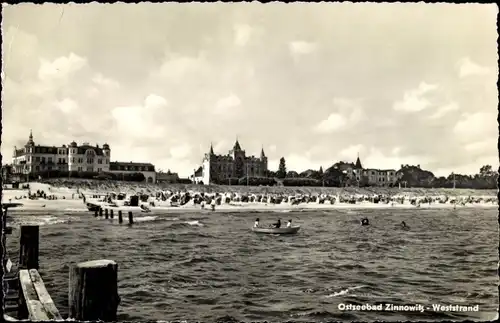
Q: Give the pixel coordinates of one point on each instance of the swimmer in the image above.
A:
(365, 221)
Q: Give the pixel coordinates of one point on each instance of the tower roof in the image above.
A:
(358, 163)
(30, 139)
(262, 154)
(237, 145)
(211, 149)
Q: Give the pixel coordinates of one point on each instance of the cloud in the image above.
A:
(300, 47)
(140, 121)
(67, 106)
(351, 153)
(181, 151)
(479, 125)
(100, 80)
(444, 110)
(334, 122)
(61, 68)
(349, 113)
(242, 34)
(227, 105)
(288, 78)
(414, 100)
(466, 67)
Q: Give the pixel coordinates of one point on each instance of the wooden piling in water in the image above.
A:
(111, 213)
(106, 213)
(130, 218)
(100, 211)
(96, 281)
(120, 218)
(96, 213)
(29, 247)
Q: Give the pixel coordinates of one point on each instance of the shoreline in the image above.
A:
(70, 200)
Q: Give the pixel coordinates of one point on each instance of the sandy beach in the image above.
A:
(167, 201)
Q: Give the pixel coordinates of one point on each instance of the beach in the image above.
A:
(242, 199)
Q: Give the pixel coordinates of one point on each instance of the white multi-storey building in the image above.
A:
(35, 158)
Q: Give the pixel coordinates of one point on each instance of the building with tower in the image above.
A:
(370, 176)
(236, 164)
(34, 158)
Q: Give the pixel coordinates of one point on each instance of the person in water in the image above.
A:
(289, 224)
(277, 225)
(257, 223)
(365, 221)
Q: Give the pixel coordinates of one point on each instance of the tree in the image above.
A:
(320, 173)
(486, 170)
(281, 173)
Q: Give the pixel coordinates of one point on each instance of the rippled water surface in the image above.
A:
(206, 266)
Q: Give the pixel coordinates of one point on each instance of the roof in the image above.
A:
(117, 163)
(82, 149)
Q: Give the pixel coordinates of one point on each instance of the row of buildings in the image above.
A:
(370, 176)
(215, 168)
(32, 159)
(236, 164)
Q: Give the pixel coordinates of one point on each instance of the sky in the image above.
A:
(314, 83)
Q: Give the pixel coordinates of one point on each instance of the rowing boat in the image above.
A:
(291, 230)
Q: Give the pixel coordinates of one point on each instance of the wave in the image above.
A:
(344, 291)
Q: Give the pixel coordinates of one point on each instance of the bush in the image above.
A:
(256, 181)
(184, 181)
(301, 182)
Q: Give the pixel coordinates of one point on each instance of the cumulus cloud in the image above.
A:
(289, 79)
(349, 113)
(444, 110)
(181, 151)
(300, 47)
(227, 105)
(141, 121)
(100, 80)
(242, 34)
(479, 125)
(61, 67)
(466, 67)
(415, 100)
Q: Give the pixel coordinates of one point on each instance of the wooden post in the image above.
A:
(28, 249)
(111, 213)
(106, 213)
(130, 218)
(93, 291)
(100, 211)
(120, 218)
(96, 213)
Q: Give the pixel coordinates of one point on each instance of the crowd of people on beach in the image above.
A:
(153, 195)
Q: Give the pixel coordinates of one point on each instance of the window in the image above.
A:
(90, 168)
(72, 159)
(37, 168)
(99, 161)
(90, 160)
(43, 159)
(50, 159)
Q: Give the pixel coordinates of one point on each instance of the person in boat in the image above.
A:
(277, 225)
(257, 223)
(289, 224)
